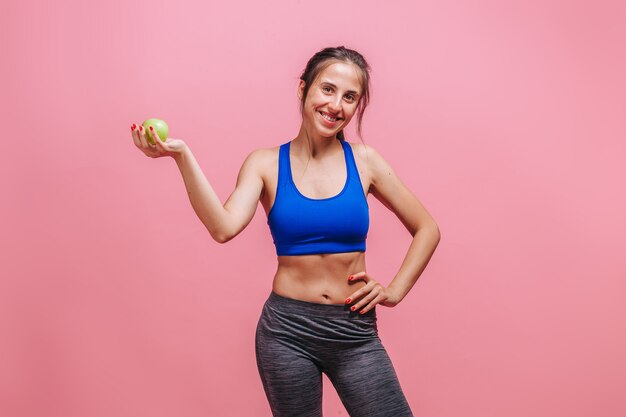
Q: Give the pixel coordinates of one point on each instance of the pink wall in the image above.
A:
(505, 118)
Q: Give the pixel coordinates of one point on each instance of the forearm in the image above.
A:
(420, 251)
(203, 198)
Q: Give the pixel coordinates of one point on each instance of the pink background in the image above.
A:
(505, 118)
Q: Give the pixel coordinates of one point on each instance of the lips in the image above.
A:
(328, 120)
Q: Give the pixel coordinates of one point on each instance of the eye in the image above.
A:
(351, 97)
(326, 88)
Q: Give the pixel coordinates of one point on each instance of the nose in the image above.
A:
(335, 105)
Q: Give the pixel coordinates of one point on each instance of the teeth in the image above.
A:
(327, 117)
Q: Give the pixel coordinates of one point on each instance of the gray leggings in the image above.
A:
(298, 340)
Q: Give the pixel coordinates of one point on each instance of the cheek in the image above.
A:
(351, 113)
(317, 100)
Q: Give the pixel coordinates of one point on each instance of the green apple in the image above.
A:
(160, 127)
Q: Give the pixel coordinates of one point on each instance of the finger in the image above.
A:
(150, 137)
(133, 129)
(157, 140)
(366, 299)
(137, 135)
(377, 300)
(360, 292)
(359, 275)
(142, 137)
(141, 140)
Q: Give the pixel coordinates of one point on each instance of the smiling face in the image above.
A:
(332, 99)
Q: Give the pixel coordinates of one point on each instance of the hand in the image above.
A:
(371, 294)
(171, 147)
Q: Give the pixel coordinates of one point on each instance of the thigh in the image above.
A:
(367, 383)
(292, 381)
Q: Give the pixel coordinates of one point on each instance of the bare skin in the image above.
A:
(319, 171)
(317, 278)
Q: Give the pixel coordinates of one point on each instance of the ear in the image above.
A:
(301, 89)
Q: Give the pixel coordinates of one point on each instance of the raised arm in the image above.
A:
(223, 222)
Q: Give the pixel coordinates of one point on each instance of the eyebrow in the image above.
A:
(349, 91)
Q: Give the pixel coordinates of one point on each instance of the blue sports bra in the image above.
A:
(301, 225)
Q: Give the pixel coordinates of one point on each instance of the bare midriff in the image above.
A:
(321, 278)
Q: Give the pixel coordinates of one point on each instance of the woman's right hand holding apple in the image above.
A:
(171, 147)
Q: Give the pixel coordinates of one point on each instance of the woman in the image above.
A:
(321, 313)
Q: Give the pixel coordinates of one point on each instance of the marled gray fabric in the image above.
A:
(297, 340)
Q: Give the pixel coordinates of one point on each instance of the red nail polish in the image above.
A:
(141, 128)
(348, 300)
(351, 276)
(353, 308)
(133, 126)
(151, 128)
(362, 311)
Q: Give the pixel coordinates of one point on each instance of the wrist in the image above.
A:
(394, 295)
(181, 155)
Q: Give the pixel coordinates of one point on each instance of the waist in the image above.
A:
(305, 308)
(321, 278)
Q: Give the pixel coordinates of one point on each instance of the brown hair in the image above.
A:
(328, 56)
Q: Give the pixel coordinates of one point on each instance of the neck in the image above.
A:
(314, 145)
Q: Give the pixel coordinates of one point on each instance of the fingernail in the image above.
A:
(348, 300)
(133, 126)
(141, 128)
(351, 276)
(151, 128)
(362, 311)
(353, 308)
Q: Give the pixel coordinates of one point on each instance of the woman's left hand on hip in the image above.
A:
(372, 293)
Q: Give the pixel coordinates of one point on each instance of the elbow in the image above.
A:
(220, 236)
(436, 232)
(432, 229)
(434, 238)
(223, 232)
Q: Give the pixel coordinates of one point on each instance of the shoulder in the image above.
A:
(262, 156)
(369, 157)
(261, 159)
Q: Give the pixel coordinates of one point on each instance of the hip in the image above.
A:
(285, 318)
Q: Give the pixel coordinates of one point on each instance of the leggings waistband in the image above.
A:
(333, 311)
